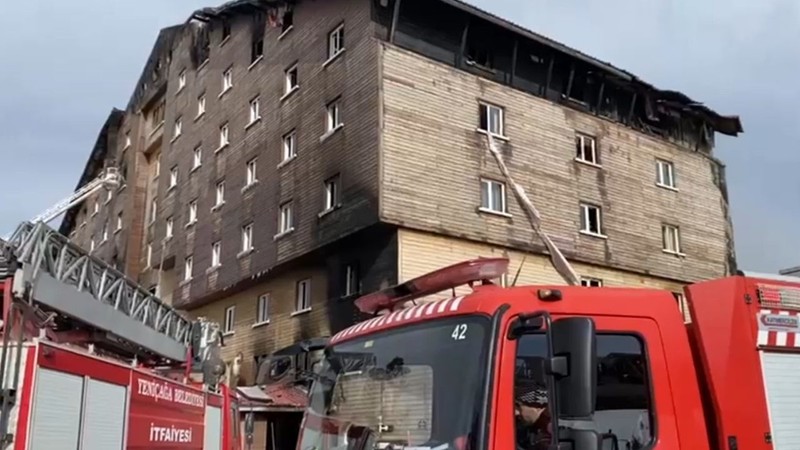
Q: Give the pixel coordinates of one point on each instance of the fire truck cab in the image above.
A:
(618, 368)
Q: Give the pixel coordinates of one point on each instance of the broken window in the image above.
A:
(421, 29)
(531, 71)
(489, 51)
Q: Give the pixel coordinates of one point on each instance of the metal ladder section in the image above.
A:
(61, 277)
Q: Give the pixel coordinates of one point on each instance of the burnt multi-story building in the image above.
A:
(282, 157)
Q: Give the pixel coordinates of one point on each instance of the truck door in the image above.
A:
(634, 408)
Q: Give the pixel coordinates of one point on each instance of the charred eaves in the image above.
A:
(96, 162)
(455, 33)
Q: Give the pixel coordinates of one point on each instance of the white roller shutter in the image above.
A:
(212, 436)
(56, 411)
(783, 397)
(104, 416)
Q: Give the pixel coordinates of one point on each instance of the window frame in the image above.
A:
(352, 269)
(580, 149)
(201, 105)
(671, 234)
(585, 208)
(192, 216)
(289, 152)
(173, 177)
(664, 168)
(247, 238)
(489, 207)
(591, 282)
(197, 157)
(219, 194)
(291, 79)
(262, 308)
(224, 135)
(181, 80)
(306, 299)
(332, 196)
(485, 109)
(254, 110)
(285, 218)
(251, 172)
(216, 254)
(170, 228)
(177, 128)
(188, 268)
(227, 80)
(229, 322)
(335, 42)
(333, 116)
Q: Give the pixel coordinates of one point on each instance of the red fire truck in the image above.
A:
(92, 360)
(615, 368)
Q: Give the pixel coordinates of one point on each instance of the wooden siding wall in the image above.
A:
(433, 158)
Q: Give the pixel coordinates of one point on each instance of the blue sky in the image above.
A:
(66, 64)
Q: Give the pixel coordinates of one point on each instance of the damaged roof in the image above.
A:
(93, 166)
(730, 125)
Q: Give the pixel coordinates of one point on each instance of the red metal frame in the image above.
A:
(467, 272)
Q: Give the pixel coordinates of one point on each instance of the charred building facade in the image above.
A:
(282, 157)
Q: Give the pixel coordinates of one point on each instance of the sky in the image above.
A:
(73, 61)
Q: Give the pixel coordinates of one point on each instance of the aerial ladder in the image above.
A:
(58, 291)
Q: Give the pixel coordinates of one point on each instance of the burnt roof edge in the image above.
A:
(93, 165)
(729, 125)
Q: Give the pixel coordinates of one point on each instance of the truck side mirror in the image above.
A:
(574, 366)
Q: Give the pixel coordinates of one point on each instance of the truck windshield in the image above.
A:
(416, 386)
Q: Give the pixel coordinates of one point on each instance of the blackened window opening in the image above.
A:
(288, 20)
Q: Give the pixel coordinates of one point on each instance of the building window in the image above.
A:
(333, 116)
(681, 304)
(201, 105)
(351, 280)
(591, 282)
(493, 196)
(177, 128)
(256, 50)
(149, 255)
(247, 238)
(331, 193)
(216, 254)
(173, 177)
(153, 210)
(96, 208)
(250, 172)
(286, 220)
(197, 157)
(227, 80)
(665, 173)
(157, 169)
(223, 135)
(289, 145)
(170, 227)
(91, 244)
(182, 80)
(187, 268)
(671, 239)
(591, 219)
(290, 80)
(255, 112)
(303, 297)
(262, 309)
(586, 149)
(192, 212)
(226, 31)
(288, 21)
(119, 221)
(230, 317)
(109, 195)
(219, 196)
(492, 119)
(105, 232)
(336, 42)
(127, 139)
